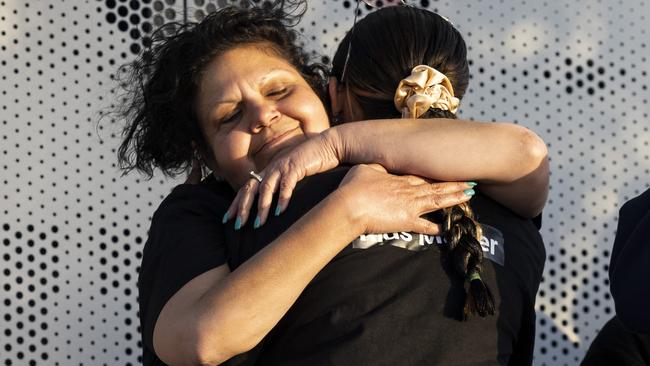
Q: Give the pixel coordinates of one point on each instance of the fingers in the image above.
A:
(247, 192)
(424, 226)
(267, 189)
(433, 202)
(450, 187)
(241, 206)
(232, 210)
(287, 185)
(276, 180)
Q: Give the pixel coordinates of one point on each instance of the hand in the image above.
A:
(315, 155)
(384, 202)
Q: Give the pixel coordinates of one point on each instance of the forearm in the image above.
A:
(508, 160)
(240, 310)
(443, 149)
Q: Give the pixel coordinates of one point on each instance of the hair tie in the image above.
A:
(473, 276)
(425, 88)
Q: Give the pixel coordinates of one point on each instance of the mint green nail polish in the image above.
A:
(469, 192)
(278, 208)
(238, 224)
(258, 223)
(471, 184)
(225, 218)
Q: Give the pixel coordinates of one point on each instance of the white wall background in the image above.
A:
(72, 229)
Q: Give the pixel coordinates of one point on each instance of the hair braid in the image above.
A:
(462, 233)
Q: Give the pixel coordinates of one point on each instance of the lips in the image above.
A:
(276, 140)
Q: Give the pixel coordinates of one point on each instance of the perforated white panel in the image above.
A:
(72, 228)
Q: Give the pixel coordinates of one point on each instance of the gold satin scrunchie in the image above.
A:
(425, 88)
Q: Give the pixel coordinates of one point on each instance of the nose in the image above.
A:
(264, 114)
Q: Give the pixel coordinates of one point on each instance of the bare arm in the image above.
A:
(218, 314)
(509, 161)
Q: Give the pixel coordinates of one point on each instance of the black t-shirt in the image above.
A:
(394, 302)
(629, 264)
(186, 239)
(390, 299)
(616, 345)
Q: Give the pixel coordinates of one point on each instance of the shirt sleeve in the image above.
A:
(629, 263)
(186, 239)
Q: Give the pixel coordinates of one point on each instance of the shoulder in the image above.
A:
(186, 239)
(188, 220)
(633, 219)
(629, 261)
(208, 196)
(636, 208)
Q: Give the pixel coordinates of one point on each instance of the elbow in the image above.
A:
(534, 149)
(206, 351)
(197, 354)
(213, 349)
(202, 355)
(191, 348)
(537, 171)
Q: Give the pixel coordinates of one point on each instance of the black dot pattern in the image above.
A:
(72, 229)
(133, 17)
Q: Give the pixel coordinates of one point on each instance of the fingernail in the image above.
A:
(278, 208)
(469, 192)
(238, 223)
(258, 223)
(225, 218)
(471, 184)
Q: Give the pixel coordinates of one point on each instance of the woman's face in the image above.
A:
(252, 105)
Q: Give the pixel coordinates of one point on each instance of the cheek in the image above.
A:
(231, 153)
(309, 110)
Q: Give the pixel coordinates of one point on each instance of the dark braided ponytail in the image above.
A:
(462, 234)
(381, 54)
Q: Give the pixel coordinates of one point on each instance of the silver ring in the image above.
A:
(255, 176)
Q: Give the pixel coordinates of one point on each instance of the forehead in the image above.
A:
(244, 67)
(245, 64)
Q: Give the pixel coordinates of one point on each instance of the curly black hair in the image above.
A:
(160, 86)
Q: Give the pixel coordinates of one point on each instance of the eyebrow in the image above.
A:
(258, 81)
(213, 105)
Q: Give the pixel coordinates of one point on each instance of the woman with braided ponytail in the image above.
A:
(456, 285)
(355, 271)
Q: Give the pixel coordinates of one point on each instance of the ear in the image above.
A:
(335, 99)
(204, 156)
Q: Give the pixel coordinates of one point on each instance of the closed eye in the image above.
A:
(233, 116)
(278, 92)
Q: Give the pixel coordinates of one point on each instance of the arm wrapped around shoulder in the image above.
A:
(510, 162)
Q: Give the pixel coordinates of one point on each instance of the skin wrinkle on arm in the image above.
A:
(510, 161)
